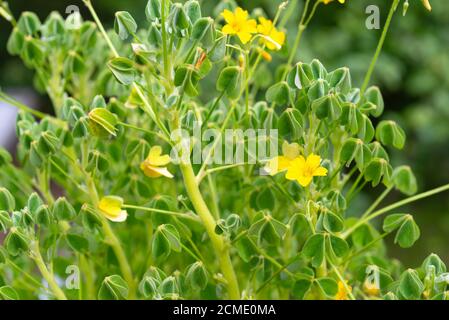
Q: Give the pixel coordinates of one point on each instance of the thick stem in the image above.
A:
(121, 258)
(37, 257)
(221, 249)
(380, 45)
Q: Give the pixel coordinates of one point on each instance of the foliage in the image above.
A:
(141, 219)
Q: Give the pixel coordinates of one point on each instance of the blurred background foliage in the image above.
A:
(412, 72)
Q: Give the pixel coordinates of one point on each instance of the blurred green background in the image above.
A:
(412, 72)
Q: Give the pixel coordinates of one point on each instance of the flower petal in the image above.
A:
(245, 37)
(320, 172)
(304, 180)
(228, 16)
(123, 215)
(313, 161)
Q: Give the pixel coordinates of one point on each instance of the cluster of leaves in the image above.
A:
(113, 103)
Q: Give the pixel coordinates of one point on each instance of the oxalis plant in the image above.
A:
(117, 196)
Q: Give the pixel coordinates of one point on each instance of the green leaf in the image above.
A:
(77, 242)
(331, 222)
(301, 76)
(7, 201)
(374, 98)
(301, 288)
(193, 10)
(153, 10)
(230, 82)
(278, 93)
(393, 221)
(28, 23)
(103, 122)
(410, 286)
(203, 30)
(113, 288)
(63, 210)
(8, 293)
(340, 79)
(124, 24)
(16, 242)
(165, 239)
(149, 287)
(314, 249)
(197, 275)
(290, 124)
(408, 233)
(404, 180)
(123, 70)
(390, 134)
(338, 246)
(328, 286)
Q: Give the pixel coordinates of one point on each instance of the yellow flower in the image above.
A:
(154, 164)
(329, 1)
(282, 163)
(426, 4)
(303, 170)
(274, 39)
(237, 23)
(111, 208)
(342, 293)
(370, 288)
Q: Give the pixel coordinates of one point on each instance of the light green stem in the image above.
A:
(221, 248)
(369, 73)
(37, 257)
(301, 28)
(394, 206)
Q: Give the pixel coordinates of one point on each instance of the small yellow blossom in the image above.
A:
(329, 1)
(237, 23)
(265, 55)
(154, 164)
(426, 4)
(111, 208)
(371, 288)
(343, 292)
(303, 170)
(274, 39)
(282, 163)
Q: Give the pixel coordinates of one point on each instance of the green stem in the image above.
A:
(164, 39)
(125, 268)
(301, 28)
(377, 202)
(88, 4)
(188, 216)
(221, 248)
(369, 73)
(394, 206)
(11, 101)
(37, 257)
(340, 277)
